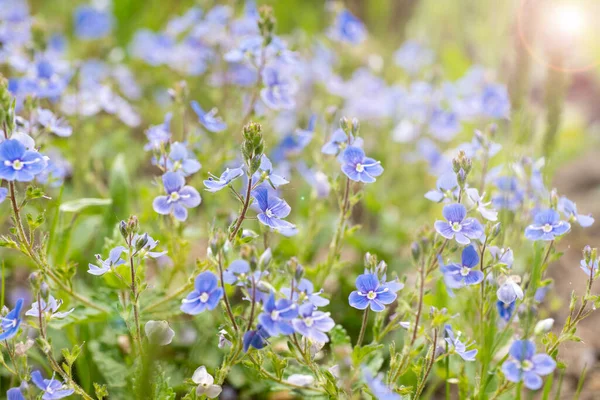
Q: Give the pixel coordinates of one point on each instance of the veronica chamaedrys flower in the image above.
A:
(92, 23)
(14, 394)
(358, 167)
(347, 28)
(457, 346)
(3, 194)
(237, 273)
(527, 366)
(11, 322)
(214, 184)
(457, 225)
(339, 141)
(463, 274)
(546, 226)
(49, 307)
(277, 316)
(304, 291)
(312, 324)
(444, 125)
(255, 338)
(159, 332)
(18, 163)
(509, 289)
(114, 259)
(272, 210)
(266, 172)
(371, 293)
(502, 255)
(446, 185)
(179, 197)
(495, 102)
(146, 250)
(52, 388)
(509, 196)
(473, 199)
(209, 120)
(206, 383)
(569, 209)
(50, 122)
(205, 296)
(379, 389)
(279, 90)
(588, 266)
(413, 56)
(179, 160)
(505, 311)
(159, 135)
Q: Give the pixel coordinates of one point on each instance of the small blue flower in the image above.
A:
(413, 57)
(313, 324)
(273, 210)
(266, 172)
(56, 171)
(159, 135)
(444, 125)
(11, 322)
(52, 123)
(339, 141)
(53, 389)
(255, 338)
(205, 296)
(502, 256)
(509, 290)
(92, 23)
(347, 28)
(457, 226)
(50, 308)
(510, 195)
(459, 347)
(524, 365)
(569, 209)
(18, 163)
(238, 273)
(276, 317)
(359, 168)
(371, 293)
(588, 266)
(3, 194)
(495, 102)
(379, 389)
(305, 292)
(179, 197)
(209, 119)
(546, 226)
(114, 259)
(446, 186)
(279, 90)
(214, 184)
(457, 276)
(505, 311)
(14, 394)
(179, 160)
(150, 245)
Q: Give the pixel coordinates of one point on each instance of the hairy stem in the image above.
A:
(240, 219)
(363, 327)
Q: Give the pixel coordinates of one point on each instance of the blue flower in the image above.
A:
(3, 194)
(53, 389)
(347, 28)
(279, 90)
(50, 307)
(150, 245)
(588, 266)
(209, 119)
(179, 160)
(413, 56)
(52, 123)
(457, 226)
(510, 196)
(255, 338)
(266, 172)
(338, 141)
(444, 125)
(214, 184)
(457, 276)
(273, 209)
(378, 388)
(509, 290)
(502, 256)
(18, 163)
(92, 23)
(546, 226)
(14, 394)
(446, 185)
(505, 311)
(495, 102)
(276, 317)
(524, 365)
(305, 292)
(237, 273)
(11, 322)
(569, 209)
(114, 259)
(56, 171)
(205, 296)
(371, 293)
(179, 197)
(159, 135)
(359, 168)
(459, 347)
(312, 324)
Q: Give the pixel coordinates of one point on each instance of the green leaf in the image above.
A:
(360, 353)
(87, 204)
(339, 336)
(119, 186)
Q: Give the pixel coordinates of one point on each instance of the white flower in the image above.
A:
(544, 326)
(301, 380)
(474, 200)
(205, 383)
(50, 307)
(159, 332)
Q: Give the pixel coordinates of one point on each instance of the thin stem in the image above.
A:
(253, 306)
(429, 366)
(135, 295)
(170, 297)
(272, 377)
(363, 327)
(447, 368)
(240, 219)
(256, 90)
(225, 297)
(420, 304)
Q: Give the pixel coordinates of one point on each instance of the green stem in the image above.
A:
(363, 327)
(240, 219)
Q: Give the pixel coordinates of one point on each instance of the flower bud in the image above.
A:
(141, 242)
(35, 280)
(345, 125)
(265, 259)
(299, 273)
(415, 250)
(543, 326)
(159, 332)
(355, 126)
(123, 229)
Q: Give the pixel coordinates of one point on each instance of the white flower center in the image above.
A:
(360, 167)
(456, 226)
(174, 197)
(526, 365)
(308, 321)
(17, 165)
(204, 297)
(547, 228)
(269, 213)
(274, 315)
(371, 295)
(464, 271)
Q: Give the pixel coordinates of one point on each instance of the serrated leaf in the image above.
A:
(359, 354)
(339, 336)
